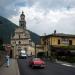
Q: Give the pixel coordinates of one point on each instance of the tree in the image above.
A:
(41, 54)
(1, 41)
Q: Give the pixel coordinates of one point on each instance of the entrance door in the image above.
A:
(10, 53)
(70, 42)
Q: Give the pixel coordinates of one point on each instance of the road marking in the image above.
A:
(66, 64)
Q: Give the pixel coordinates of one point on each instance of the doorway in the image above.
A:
(10, 53)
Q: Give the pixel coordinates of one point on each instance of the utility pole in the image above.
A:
(35, 50)
(50, 48)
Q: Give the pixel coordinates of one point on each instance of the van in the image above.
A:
(23, 54)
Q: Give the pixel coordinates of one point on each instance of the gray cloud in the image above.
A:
(55, 4)
(7, 6)
(62, 21)
(66, 25)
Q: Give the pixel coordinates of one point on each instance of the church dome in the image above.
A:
(22, 14)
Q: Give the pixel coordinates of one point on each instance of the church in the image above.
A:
(23, 38)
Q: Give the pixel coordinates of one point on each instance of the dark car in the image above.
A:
(37, 62)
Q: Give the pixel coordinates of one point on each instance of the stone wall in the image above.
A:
(2, 57)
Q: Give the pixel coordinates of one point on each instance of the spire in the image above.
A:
(22, 12)
(54, 31)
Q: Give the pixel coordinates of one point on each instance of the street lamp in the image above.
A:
(50, 48)
(35, 50)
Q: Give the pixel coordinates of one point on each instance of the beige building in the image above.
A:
(22, 39)
(58, 42)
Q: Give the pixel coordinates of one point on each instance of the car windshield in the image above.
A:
(36, 59)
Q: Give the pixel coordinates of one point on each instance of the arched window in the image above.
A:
(19, 36)
(19, 42)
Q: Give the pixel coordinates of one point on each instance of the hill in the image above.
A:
(6, 29)
(35, 37)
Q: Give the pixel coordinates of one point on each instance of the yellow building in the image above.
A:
(58, 42)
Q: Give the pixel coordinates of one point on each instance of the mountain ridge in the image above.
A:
(7, 28)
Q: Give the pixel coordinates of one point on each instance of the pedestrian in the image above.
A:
(7, 61)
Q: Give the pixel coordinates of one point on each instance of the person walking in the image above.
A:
(7, 60)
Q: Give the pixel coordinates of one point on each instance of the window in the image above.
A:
(65, 41)
(70, 42)
(15, 42)
(21, 24)
(22, 18)
(19, 36)
(58, 41)
(19, 42)
(47, 43)
(44, 42)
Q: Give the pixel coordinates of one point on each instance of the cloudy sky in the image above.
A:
(42, 16)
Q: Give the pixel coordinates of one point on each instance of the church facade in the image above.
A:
(22, 39)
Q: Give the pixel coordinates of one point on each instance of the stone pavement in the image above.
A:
(11, 70)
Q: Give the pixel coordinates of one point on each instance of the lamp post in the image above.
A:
(35, 50)
(50, 48)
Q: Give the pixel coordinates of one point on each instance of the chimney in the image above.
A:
(44, 34)
(54, 31)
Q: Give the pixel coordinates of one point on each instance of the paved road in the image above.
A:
(50, 69)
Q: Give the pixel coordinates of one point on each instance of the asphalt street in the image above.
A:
(50, 69)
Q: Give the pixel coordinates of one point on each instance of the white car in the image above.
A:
(23, 54)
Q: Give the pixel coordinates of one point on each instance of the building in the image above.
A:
(23, 39)
(58, 42)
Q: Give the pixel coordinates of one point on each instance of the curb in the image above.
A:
(17, 68)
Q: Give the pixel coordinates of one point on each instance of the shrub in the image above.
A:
(41, 54)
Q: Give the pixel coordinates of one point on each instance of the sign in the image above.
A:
(7, 47)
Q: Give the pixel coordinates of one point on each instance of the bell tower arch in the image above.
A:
(22, 21)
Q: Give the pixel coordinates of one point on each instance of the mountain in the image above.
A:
(6, 29)
(35, 37)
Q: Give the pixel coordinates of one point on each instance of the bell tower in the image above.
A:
(22, 22)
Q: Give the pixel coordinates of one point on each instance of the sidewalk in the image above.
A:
(66, 63)
(11, 70)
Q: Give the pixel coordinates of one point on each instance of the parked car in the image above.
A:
(23, 54)
(37, 62)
